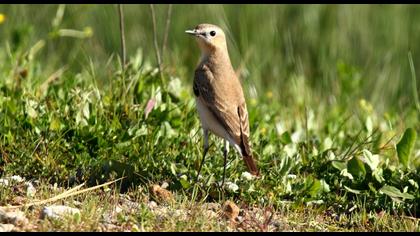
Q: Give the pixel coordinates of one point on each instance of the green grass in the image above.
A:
(329, 92)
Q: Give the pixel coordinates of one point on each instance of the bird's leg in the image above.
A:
(225, 151)
(206, 148)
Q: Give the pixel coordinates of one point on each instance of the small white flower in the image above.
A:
(17, 178)
(4, 182)
(30, 189)
(246, 176)
(291, 176)
(290, 149)
(280, 128)
(232, 186)
(296, 136)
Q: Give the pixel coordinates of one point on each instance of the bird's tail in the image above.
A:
(250, 164)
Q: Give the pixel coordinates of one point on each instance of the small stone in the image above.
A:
(230, 210)
(57, 211)
(164, 185)
(118, 209)
(211, 214)
(6, 227)
(129, 204)
(161, 193)
(18, 200)
(109, 227)
(211, 206)
(277, 224)
(178, 213)
(13, 217)
(161, 212)
(152, 205)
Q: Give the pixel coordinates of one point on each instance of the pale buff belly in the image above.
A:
(209, 122)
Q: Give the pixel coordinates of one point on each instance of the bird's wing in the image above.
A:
(226, 114)
(244, 124)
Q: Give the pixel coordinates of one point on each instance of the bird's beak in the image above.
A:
(193, 32)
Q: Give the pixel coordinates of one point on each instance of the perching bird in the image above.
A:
(219, 97)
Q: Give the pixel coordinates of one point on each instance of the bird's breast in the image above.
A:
(209, 121)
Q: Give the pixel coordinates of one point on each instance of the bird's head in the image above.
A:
(209, 37)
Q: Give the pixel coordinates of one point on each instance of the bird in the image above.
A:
(219, 96)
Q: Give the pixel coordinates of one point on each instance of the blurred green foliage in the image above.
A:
(337, 48)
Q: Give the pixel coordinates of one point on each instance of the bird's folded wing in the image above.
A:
(227, 115)
(244, 123)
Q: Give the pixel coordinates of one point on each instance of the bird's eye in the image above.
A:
(213, 33)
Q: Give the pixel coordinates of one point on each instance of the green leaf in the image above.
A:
(339, 165)
(378, 174)
(325, 186)
(393, 192)
(173, 169)
(315, 188)
(285, 138)
(405, 146)
(371, 160)
(269, 150)
(184, 182)
(55, 124)
(352, 190)
(142, 131)
(86, 111)
(285, 166)
(356, 167)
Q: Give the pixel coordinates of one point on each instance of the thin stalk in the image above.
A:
(157, 52)
(413, 76)
(168, 23)
(122, 34)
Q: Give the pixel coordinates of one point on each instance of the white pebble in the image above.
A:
(57, 211)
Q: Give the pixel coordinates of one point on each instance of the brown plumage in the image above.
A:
(220, 99)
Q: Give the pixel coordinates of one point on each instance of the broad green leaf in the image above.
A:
(356, 167)
(414, 183)
(285, 138)
(269, 150)
(339, 165)
(55, 124)
(325, 186)
(184, 181)
(394, 192)
(371, 160)
(86, 111)
(327, 143)
(369, 125)
(175, 86)
(405, 146)
(345, 173)
(315, 188)
(285, 166)
(378, 175)
(142, 131)
(31, 112)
